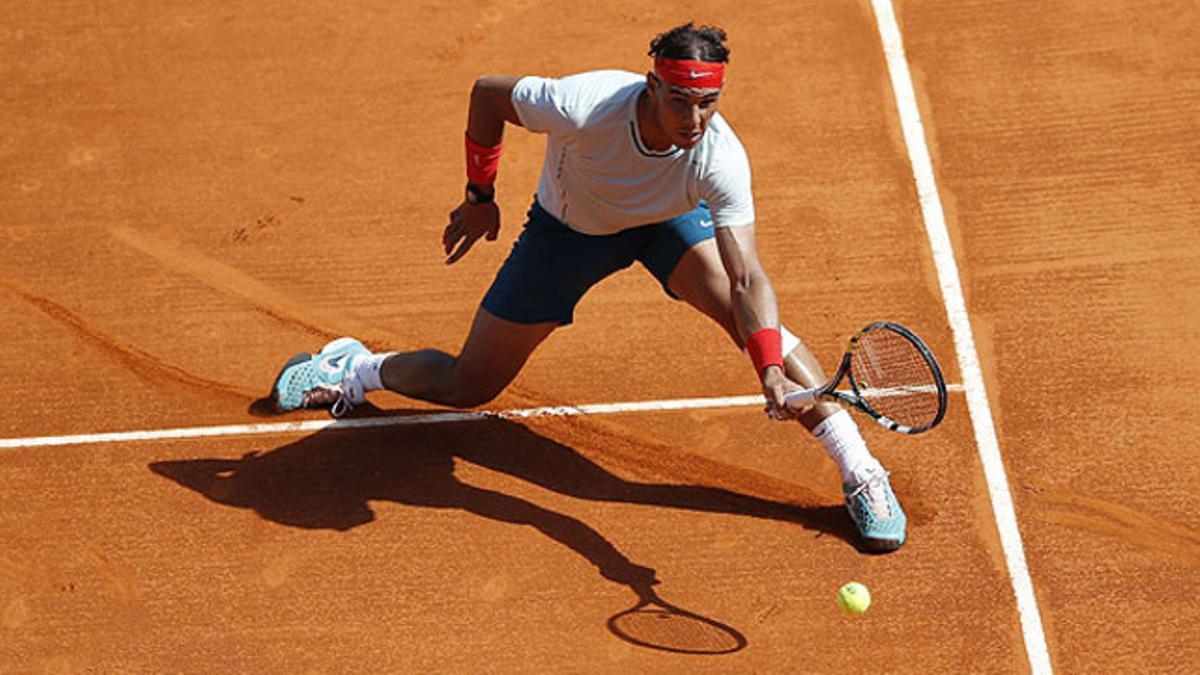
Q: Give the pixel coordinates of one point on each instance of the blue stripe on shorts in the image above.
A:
(551, 266)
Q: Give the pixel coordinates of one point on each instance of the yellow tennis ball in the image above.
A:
(853, 598)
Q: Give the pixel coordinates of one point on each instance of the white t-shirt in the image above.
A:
(599, 178)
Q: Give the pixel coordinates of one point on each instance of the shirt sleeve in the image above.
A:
(726, 186)
(540, 104)
(560, 106)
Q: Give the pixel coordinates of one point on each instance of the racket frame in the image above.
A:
(830, 392)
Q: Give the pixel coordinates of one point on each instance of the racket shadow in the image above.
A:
(654, 623)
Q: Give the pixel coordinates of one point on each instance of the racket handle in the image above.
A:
(800, 399)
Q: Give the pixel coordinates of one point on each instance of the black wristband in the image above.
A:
(476, 195)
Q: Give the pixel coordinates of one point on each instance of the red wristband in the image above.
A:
(766, 349)
(482, 162)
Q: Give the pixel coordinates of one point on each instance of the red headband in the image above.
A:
(689, 74)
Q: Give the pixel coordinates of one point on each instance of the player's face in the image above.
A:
(684, 114)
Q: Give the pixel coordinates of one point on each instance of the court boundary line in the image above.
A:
(982, 421)
(431, 417)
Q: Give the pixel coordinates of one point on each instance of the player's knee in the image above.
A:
(470, 399)
(470, 394)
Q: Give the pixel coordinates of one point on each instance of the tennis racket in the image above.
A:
(893, 378)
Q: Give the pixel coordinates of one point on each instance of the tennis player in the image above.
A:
(638, 168)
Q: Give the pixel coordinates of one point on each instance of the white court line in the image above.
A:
(964, 342)
(433, 417)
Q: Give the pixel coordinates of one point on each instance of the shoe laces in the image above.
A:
(329, 396)
(340, 398)
(341, 406)
(874, 490)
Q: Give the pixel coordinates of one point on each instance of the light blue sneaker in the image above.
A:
(876, 512)
(322, 380)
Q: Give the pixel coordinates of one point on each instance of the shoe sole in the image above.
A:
(881, 545)
(297, 359)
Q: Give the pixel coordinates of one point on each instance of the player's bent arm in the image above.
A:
(754, 304)
(491, 106)
(477, 216)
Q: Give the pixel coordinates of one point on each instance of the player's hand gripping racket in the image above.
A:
(893, 378)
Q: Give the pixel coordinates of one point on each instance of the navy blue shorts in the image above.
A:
(551, 266)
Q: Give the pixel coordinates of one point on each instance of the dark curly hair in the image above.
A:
(691, 42)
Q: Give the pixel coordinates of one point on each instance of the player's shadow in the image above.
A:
(326, 481)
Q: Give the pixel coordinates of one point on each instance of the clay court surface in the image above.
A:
(194, 193)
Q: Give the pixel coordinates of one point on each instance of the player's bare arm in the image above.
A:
(477, 216)
(754, 306)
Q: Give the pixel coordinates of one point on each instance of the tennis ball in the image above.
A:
(853, 598)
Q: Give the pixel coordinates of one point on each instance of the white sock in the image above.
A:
(846, 446)
(366, 369)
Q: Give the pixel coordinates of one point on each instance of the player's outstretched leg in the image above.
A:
(699, 278)
(344, 371)
(322, 380)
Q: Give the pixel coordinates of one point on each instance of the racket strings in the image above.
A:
(895, 378)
